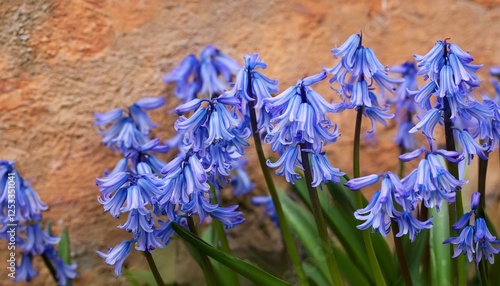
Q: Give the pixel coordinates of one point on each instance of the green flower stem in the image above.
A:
(425, 261)
(398, 242)
(403, 264)
(456, 210)
(224, 244)
(206, 266)
(154, 269)
(285, 228)
(481, 187)
(50, 267)
(377, 273)
(481, 184)
(219, 228)
(320, 222)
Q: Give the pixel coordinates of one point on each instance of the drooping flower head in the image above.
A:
(187, 190)
(25, 224)
(252, 86)
(128, 129)
(357, 74)
(474, 240)
(215, 133)
(381, 209)
(405, 105)
(208, 75)
(117, 255)
(431, 182)
(452, 80)
(300, 123)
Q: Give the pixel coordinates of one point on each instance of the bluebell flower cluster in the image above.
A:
(393, 202)
(405, 105)
(211, 136)
(128, 130)
(252, 86)
(475, 241)
(431, 182)
(21, 226)
(357, 74)
(494, 104)
(299, 123)
(452, 79)
(210, 74)
(215, 134)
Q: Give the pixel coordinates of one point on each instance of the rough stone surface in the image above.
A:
(62, 60)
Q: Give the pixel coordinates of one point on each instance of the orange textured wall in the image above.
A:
(62, 60)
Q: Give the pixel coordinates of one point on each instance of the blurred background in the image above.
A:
(63, 60)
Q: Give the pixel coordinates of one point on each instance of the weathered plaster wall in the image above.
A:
(62, 60)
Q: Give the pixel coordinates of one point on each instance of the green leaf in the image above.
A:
(341, 221)
(440, 253)
(346, 200)
(139, 277)
(302, 222)
(226, 276)
(313, 274)
(48, 228)
(64, 248)
(413, 252)
(246, 269)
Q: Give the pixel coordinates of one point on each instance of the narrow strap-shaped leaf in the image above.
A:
(414, 251)
(246, 269)
(302, 222)
(225, 276)
(63, 248)
(440, 253)
(307, 233)
(345, 198)
(342, 223)
(137, 277)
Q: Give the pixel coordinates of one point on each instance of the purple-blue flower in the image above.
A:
(483, 240)
(428, 123)
(408, 224)
(322, 170)
(269, 208)
(130, 131)
(299, 115)
(357, 74)
(464, 243)
(381, 209)
(469, 147)
(186, 77)
(213, 65)
(64, 272)
(405, 105)
(253, 86)
(124, 191)
(290, 160)
(182, 177)
(31, 239)
(37, 239)
(240, 180)
(25, 271)
(117, 255)
(209, 75)
(431, 182)
(14, 187)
